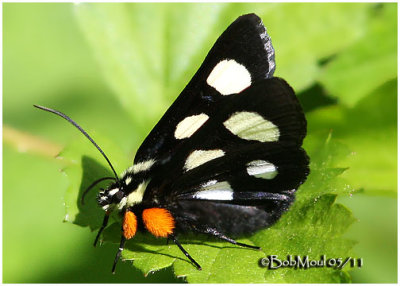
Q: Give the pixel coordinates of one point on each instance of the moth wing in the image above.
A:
(264, 122)
(242, 55)
(228, 150)
(244, 191)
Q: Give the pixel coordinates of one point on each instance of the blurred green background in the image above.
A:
(115, 68)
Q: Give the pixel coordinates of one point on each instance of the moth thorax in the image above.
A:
(136, 196)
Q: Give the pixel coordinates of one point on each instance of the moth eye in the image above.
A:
(118, 196)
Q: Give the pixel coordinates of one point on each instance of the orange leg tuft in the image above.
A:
(129, 225)
(158, 222)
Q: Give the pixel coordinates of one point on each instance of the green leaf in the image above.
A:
(133, 70)
(313, 226)
(370, 130)
(83, 164)
(369, 62)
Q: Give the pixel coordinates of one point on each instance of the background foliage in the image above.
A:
(115, 68)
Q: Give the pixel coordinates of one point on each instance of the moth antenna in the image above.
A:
(92, 185)
(82, 131)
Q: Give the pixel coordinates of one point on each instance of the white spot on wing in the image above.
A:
(213, 190)
(252, 126)
(199, 157)
(209, 183)
(188, 126)
(222, 195)
(262, 169)
(229, 77)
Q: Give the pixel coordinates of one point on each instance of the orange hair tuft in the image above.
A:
(158, 221)
(129, 225)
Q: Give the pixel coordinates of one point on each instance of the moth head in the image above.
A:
(127, 192)
(110, 196)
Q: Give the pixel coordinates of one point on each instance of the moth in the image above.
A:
(225, 159)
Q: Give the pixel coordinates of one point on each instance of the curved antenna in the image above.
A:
(92, 185)
(81, 130)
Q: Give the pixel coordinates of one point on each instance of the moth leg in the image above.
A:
(103, 226)
(184, 251)
(216, 233)
(118, 255)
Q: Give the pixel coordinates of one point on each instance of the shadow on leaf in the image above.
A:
(90, 214)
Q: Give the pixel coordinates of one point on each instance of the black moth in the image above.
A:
(225, 159)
